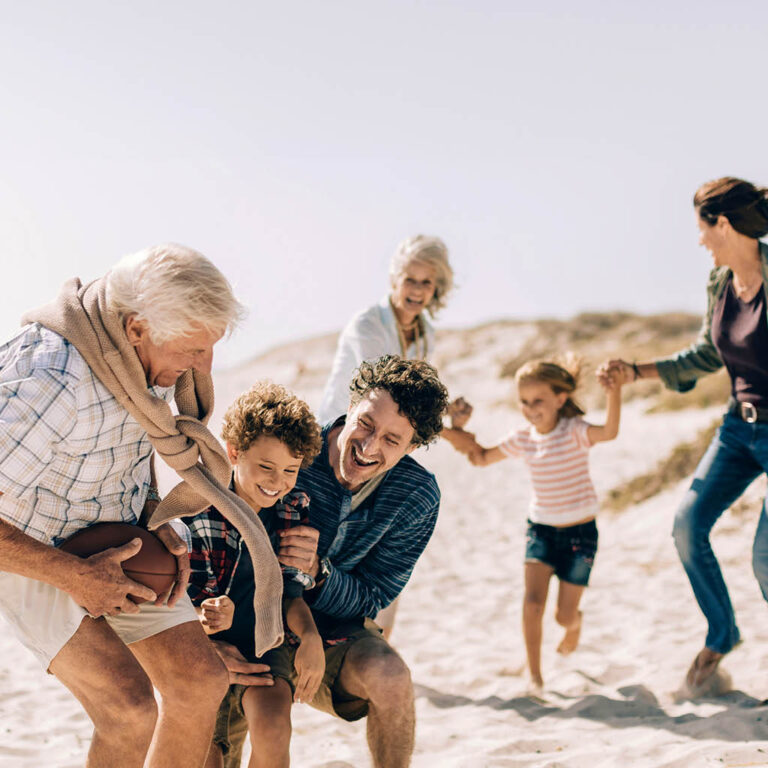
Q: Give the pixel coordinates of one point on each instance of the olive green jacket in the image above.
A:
(680, 371)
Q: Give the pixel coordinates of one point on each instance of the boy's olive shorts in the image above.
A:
(231, 724)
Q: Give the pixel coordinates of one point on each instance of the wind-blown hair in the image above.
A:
(175, 291)
(432, 252)
(561, 378)
(413, 385)
(741, 202)
(271, 410)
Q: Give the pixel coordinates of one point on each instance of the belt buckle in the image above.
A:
(748, 412)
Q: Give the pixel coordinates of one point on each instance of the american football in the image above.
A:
(153, 565)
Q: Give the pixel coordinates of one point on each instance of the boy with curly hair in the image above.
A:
(375, 509)
(269, 434)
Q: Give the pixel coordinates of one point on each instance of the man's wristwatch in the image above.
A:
(325, 570)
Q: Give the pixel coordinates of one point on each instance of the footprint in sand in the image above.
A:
(512, 670)
(336, 764)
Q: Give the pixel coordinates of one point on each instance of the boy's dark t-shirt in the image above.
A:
(240, 634)
(221, 564)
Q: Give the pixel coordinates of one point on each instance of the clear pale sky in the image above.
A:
(554, 146)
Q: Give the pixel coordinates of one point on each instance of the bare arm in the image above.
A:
(97, 582)
(456, 437)
(476, 453)
(299, 619)
(611, 379)
(310, 657)
(482, 457)
(20, 553)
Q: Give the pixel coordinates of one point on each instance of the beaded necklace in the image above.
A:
(419, 334)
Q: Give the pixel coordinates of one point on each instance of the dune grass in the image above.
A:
(594, 337)
(678, 465)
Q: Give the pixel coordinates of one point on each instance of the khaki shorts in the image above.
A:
(231, 725)
(44, 618)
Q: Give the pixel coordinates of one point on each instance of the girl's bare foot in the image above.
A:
(535, 686)
(571, 637)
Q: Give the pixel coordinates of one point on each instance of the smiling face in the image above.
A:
(413, 290)
(264, 472)
(714, 238)
(164, 363)
(540, 404)
(374, 438)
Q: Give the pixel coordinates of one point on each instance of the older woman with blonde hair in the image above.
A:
(421, 278)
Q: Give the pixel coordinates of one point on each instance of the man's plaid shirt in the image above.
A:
(70, 454)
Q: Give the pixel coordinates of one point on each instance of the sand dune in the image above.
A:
(612, 703)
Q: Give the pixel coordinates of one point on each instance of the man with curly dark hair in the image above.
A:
(414, 387)
(375, 509)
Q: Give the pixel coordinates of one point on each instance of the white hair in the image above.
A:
(425, 250)
(175, 291)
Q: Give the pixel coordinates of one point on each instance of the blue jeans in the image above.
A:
(737, 455)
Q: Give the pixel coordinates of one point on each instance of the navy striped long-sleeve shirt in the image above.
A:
(372, 550)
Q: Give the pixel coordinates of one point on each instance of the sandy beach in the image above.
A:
(612, 703)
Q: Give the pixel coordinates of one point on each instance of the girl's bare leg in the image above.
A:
(537, 576)
(568, 615)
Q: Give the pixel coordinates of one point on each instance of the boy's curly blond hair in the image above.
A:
(269, 409)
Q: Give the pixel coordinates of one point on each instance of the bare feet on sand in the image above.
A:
(571, 638)
(535, 686)
(703, 667)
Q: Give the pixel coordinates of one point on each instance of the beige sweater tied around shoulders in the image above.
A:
(80, 314)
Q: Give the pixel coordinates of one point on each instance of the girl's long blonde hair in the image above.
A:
(562, 377)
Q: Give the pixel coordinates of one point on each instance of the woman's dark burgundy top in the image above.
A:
(740, 335)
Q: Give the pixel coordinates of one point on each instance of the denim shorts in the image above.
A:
(570, 550)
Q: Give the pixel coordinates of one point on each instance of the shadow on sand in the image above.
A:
(741, 719)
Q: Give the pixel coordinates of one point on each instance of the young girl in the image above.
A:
(562, 535)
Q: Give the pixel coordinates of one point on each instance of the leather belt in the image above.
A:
(747, 411)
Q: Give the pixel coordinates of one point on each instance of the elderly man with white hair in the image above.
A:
(85, 391)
